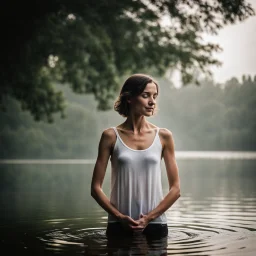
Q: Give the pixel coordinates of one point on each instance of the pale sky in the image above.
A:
(239, 49)
(238, 56)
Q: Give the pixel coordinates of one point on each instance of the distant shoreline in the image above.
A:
(179, 155)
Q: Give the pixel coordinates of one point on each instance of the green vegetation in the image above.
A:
(91, 45)
(206, 117)
(213, 116)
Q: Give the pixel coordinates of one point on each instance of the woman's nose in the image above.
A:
(152, 101)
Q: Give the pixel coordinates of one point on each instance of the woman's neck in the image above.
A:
(136, 124)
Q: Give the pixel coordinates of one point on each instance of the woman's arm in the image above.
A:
(173, 178)
(104, 151)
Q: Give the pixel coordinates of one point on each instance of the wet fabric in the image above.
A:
(136, 186)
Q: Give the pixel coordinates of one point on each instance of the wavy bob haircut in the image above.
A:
(132, 87)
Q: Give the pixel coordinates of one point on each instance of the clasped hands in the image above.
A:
(135, 225)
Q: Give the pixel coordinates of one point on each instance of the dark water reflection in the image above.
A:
(47, 209)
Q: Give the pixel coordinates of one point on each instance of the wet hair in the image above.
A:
(133, 86)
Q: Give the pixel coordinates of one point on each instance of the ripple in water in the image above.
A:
(182, 240)
(226, 231)
(213, 226)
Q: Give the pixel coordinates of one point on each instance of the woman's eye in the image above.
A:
(145, 96)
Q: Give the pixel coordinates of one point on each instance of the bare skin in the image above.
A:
(137, 133)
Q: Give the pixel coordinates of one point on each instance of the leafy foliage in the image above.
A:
(92, 45)
(209, 117)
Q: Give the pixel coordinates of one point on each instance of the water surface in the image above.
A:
(47, 209)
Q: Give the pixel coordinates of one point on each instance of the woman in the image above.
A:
(136, 148)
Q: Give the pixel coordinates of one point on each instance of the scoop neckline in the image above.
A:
(157, 129)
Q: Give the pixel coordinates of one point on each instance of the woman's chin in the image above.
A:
(148, 114)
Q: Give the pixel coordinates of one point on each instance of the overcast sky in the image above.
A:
(239, 49)
(238, 56)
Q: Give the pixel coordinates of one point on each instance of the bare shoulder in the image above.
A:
(109, 133)
(165, 134)
(108, 136)
(166, 138)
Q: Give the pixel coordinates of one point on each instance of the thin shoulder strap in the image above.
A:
(117, 135)
(157, 131)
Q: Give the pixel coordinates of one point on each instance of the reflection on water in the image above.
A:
(47, 210)
(95, 242)
(214, 231)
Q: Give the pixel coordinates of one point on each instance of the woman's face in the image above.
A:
(144, 103)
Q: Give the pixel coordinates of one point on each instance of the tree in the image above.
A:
(91, 45)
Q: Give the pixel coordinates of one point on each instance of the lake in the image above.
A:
(47, 209)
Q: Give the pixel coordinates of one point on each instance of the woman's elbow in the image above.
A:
(176, 190)
(93, 192)
(178, 193)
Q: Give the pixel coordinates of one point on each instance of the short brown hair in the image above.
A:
(133, 86)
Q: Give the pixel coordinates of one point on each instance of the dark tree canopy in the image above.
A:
(91, 45)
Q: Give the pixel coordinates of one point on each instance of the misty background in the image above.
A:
(207, 117)
(217, 115)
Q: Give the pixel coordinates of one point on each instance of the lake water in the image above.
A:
(46, 209)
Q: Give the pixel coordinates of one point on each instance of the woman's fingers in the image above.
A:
(132, 221)
(142, 223)
(129, 222)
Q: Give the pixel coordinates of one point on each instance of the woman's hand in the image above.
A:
(143, 221)
(128, 223)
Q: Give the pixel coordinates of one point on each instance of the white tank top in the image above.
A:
(136, 179)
